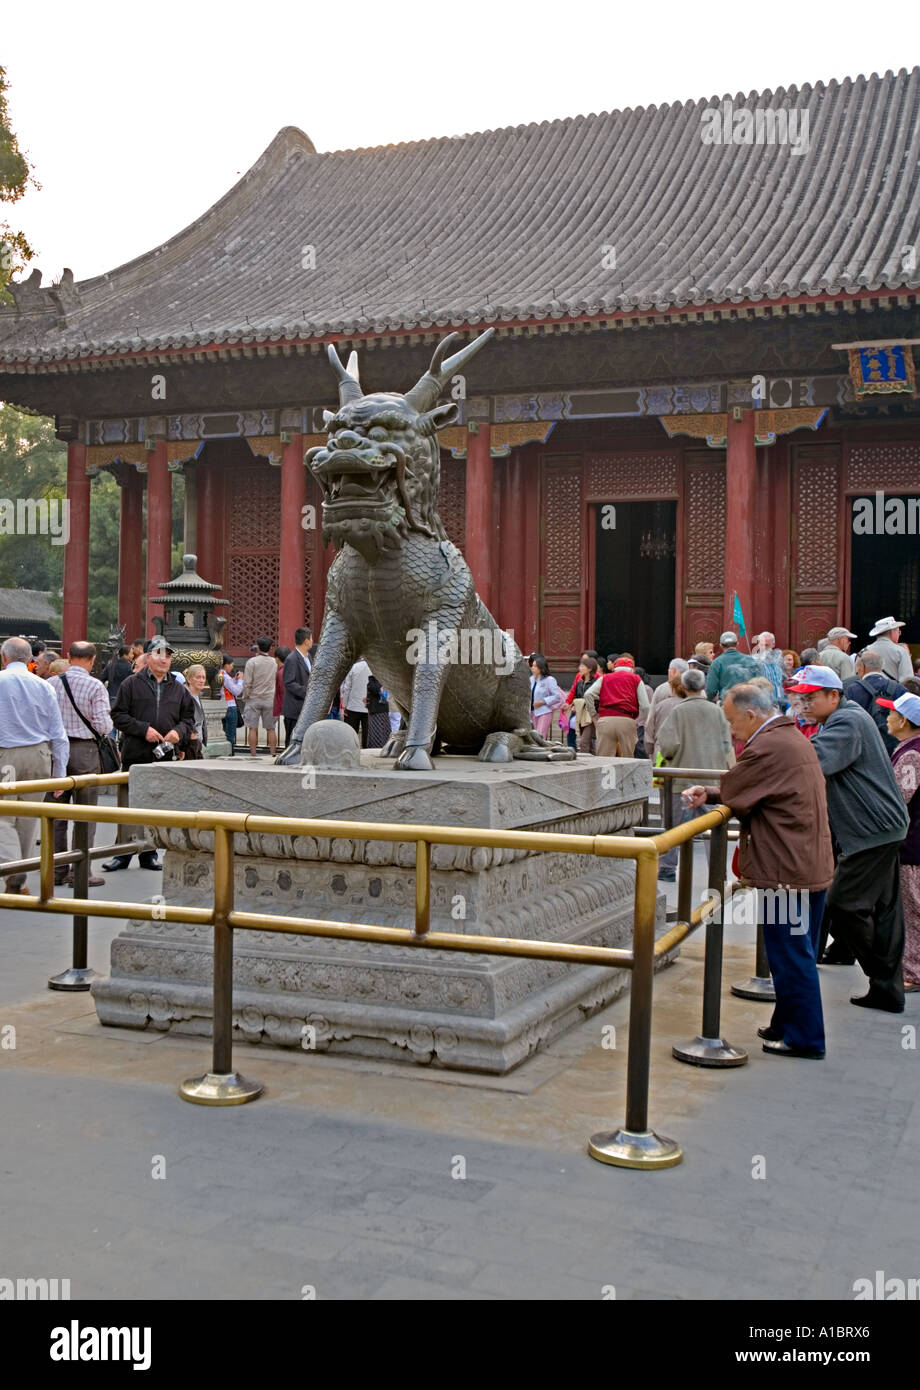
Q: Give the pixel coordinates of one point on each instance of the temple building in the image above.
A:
(702, 373)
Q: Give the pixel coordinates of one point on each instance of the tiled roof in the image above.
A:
(28, 604)
(511, 226)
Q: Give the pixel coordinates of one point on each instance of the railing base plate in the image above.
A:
(709, 1052)
(73, 979)
(220, 1088)
(757, 987)
(627, 1148)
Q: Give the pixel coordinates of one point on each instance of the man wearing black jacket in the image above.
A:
(867, 686)
(295, 674)
(153, 710)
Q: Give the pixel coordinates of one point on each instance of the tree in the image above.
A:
(33, 465)
(104, 513)
(15, 177)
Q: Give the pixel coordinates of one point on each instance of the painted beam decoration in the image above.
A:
(883, 369)
(767, 425)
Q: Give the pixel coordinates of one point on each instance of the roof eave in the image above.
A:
(639, 316)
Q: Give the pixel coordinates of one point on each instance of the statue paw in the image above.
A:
(394, 745)
(498, 748)
(290, 757)
(414, 759)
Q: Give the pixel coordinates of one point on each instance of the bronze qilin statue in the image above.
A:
(400, 594)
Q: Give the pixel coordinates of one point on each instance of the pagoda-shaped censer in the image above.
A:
(188, 622)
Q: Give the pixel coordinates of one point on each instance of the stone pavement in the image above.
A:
(364, 1180)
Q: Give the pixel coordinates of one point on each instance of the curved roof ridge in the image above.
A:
(290, 142)
(770, 93)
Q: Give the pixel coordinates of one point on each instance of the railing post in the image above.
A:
(709, 1049)
(79, 977)
(121, 800)
(46, 854)
(667, 808)
(635, 1145)
(758, 986)
(222, 1085)
(685, 881)
(422, 887)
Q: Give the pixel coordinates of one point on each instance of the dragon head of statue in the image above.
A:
(380, 469)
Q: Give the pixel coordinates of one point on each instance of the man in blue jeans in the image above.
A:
(776, 789)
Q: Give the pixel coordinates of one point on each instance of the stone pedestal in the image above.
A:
(481, 1013)
(217, 745)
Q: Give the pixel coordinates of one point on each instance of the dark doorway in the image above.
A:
(885, 567)
(634, 578)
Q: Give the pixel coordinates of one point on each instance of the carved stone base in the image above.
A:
(481, 1013)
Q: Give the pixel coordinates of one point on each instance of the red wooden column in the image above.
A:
(529, 640)
(740, 515)
(292, 596)
(130, 549)
(159, 524)
(511, 555)
(76, 551)
(210, 513)
(479, 507)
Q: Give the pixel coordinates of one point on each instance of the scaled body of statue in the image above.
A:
(400, 594)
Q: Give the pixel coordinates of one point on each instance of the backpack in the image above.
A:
(878, 713)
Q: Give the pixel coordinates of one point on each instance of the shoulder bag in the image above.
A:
(109, 758)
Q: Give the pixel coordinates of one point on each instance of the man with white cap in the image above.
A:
(896, 662)
(835, 655)
(868, 822)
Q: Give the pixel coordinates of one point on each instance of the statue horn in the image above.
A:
(349, 385)
(425, 392)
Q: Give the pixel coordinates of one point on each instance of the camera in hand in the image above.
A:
(163, 750)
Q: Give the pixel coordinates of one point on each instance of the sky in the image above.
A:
(138, 117)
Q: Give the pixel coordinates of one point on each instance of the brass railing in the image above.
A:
(758, 986)
(634, 1145)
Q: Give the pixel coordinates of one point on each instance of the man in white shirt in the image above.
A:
(354, 699)
(33, 745)
(896, 662)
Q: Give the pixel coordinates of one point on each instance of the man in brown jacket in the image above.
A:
(777, 791)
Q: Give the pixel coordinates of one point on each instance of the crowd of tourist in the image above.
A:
(817, 754)
(819, 758)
